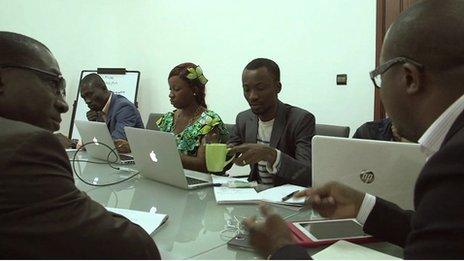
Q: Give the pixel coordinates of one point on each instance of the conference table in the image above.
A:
(197, 227)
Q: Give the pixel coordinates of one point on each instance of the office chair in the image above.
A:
(332, 130)
(152, 118)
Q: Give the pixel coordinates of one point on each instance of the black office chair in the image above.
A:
(152, 118)
(332, 130)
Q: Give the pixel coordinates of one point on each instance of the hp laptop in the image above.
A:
(97, 132)
(156, 156)
(381, 168)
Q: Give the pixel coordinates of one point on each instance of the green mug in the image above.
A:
(216, 154)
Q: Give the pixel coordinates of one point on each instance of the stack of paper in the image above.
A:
(239, 171)
(344, 250)
(149, 221)
(226, 195)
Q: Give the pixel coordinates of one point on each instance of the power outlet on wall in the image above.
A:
(342, 79)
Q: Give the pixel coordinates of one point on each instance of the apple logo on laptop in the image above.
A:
(153, 156)
(95, 140)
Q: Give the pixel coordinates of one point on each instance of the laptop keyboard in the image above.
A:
(125, 157)
(192, 181)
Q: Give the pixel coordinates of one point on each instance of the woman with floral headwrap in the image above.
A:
(191, 121)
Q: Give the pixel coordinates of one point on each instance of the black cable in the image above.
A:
(112, 151)
(89, 161)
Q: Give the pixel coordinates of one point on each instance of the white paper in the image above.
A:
(237, 170)
(233, 195)
(224, 180)
(149, 221)
(274, 195)
(344, 250)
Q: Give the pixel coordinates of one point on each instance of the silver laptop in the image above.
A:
(381, 168)
(156, 156)
(98, 133)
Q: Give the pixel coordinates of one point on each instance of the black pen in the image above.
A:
(206, 185)
(289, 196)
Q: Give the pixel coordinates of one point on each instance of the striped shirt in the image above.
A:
(264, 137)
(430, 143)
(432, 139)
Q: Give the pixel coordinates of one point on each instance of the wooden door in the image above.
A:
(387, 12)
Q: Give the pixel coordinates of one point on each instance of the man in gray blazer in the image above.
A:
(420, 77)
(42, 213)
(273, 137)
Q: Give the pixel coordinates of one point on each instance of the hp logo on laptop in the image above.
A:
(367, 176)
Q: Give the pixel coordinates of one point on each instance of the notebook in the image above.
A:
(226, 195)
(344, 250)
(149, 221)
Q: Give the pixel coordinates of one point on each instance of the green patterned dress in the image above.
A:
(189, 139)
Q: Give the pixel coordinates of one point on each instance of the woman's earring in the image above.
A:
(195, 94)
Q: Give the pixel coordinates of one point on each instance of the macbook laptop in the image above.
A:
(97, 132)
(381, 168)
(157, 158)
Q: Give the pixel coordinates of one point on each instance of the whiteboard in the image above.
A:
(119, 81)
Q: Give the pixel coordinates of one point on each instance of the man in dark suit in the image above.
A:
(42, 213)
(273, 137)
(114, 109)
(421, 85)
(377, 130)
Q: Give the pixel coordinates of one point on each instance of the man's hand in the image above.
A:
(79, 145)
(269, 235)
(122, 146)
(252, 153)
(211, 137)
(333, 200)
(93, 115)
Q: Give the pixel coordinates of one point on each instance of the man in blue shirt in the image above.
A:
(114, 109)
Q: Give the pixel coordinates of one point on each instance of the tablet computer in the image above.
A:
(321, 232)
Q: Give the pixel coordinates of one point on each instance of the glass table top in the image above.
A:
(197, 227)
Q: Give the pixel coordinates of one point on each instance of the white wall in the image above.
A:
(311, 40)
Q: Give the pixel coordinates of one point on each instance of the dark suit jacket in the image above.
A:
(375, 130)
(436, 229)
(292, 133)
(44, 215)
(122, 113)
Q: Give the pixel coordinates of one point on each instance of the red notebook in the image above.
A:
(305, 241)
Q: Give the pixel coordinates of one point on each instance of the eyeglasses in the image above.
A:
(376, 75)
(55, 81)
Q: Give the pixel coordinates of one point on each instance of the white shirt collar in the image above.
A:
(434, 136)
(107, 105)
(266, 123)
